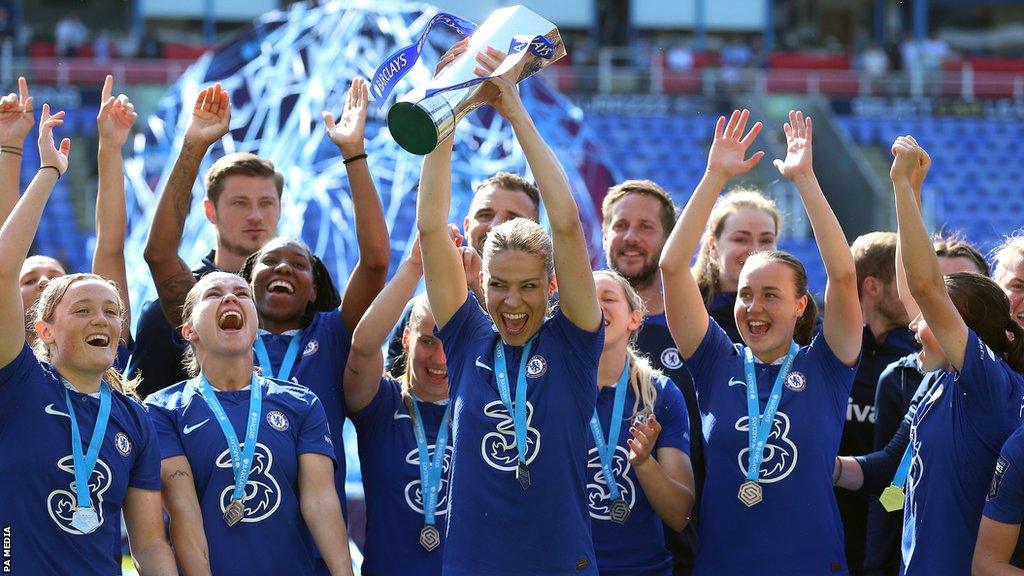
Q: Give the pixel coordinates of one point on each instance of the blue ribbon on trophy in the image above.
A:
(427, 115)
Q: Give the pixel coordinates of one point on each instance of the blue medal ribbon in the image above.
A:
(518, 410)
(430, 469)
(287, 362)
(84, 461)
(760, 425)
(400, 62)
(606, 449)
(241, 458)
(904, 468)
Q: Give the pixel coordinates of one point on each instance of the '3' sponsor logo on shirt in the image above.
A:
(499, 447)
(262, 492)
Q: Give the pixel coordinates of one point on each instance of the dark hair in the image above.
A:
(954, 245)
(667, 213)
(985, 309)
(510, 181)
(239, 163)
(804, 330)
(327, 296)
(874, 254)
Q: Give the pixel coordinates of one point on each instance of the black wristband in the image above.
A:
(59, 173)
(354, 158)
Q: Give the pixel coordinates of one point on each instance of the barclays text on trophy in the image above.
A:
(424, 117)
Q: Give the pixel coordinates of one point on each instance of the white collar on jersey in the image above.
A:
(292, 332)
(68, 385)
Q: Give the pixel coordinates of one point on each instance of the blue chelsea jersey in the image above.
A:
(796, 529)
(37, 471)
(495, 527)
(320, 367)
(956, 436)
(390, 463)
(292, 423)
(638, 546)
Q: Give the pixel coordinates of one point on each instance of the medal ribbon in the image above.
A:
(430, 469)
(760, 425)
(904, 468)
(400, 62)
(606, 450)
(241, 458)
(85, 463)
(518, 411)
(286, 363)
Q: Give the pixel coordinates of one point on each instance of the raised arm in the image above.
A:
(366, 357)
(924, 279)
(19, 230)
(577, 292)
(684, 307)
(186, 525)
(16, 120)
(211, 116)
(843, 321)
(371, 270)
(114, 123)
(916, 183)
(442, 264)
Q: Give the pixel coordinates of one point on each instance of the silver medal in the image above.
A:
(750, 493)
(430, 538)
(523, 475)
(234, 513)
(85, 520)
(620, 511)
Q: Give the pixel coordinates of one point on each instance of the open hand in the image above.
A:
(730, 145)
(16, 116)
(211, 116)
(349, 133)
(799, 131)
(645, 434)
(50, 155)
(116, 117)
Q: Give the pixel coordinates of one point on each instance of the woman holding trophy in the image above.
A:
(523, 387)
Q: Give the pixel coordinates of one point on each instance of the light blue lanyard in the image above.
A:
(430, 470)
(286, 363)
(518, 411)
(760, 425)
(85, 463)
(904, 468)
(241, 459)
(606, 449)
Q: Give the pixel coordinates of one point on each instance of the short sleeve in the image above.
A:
(1005, 500)
(839, 376)
(367, 420)
(315, 434)
(468, 324)
(713, 348)
(145, 472)
(20, 369)
(985, 378)
(672, 415)
(582, 347)
(166, 428)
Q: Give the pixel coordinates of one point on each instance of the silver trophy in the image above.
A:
(423, 118)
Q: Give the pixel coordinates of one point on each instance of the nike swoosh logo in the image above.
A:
(399, 415)
(51, 410)
(189, 429)
(482, 365)
(735, 382)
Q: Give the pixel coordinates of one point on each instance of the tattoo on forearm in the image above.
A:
(178, 473)
(172, 292)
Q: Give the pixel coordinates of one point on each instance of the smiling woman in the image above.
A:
(258, 490)
(63, 503)
(772, 464)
